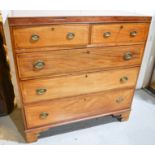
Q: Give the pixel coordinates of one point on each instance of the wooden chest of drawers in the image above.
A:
(76, 68)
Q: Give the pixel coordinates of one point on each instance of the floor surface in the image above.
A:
(140, 129)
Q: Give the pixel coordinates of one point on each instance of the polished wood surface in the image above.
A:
(119, 33)
(32, 134)
(77, 107)
(54, 35)
(24, 21)
(87, 67)
(78, 84)
(78, 60)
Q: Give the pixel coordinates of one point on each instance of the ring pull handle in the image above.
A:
(119, 99)
(124, 79)
(43, 115)
(35, 37)
(70, 36)
(133, 33)
(39, 64)
(106, 34)
(41, 91)
(127, 56)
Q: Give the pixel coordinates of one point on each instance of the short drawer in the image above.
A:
(69, 61)
(119, 33)
(53, 35)
(51, 88)
(80, 107)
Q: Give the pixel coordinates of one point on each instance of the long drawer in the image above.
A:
(51, 88)
(68, 61)
(119, 33)
(52, 35)
(65, 110)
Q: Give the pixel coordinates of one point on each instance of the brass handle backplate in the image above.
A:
(35, 37)
(127, 56)
(39, 64)
(124, 79)
(133, 33)
(119, 99)
(43, 115)
(70, 35)
(41, 91)
(106, 34)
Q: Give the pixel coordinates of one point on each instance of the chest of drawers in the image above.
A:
(71, 69)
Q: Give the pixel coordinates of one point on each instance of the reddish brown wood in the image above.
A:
(76, 85)
(119, 33)
(63, 110)
(22, 21)
(64, 62)
(94, 85)
(53, 35)
(35, 132)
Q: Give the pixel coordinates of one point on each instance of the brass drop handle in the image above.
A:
(127, 56)
(39, 64)
(106, 34)
(43, 115)
(41, 91)
(119, 99)
(124, 79)
(133, 33)
(70, 35)
(35, 37)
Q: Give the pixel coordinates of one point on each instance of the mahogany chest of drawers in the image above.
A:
(76, 68)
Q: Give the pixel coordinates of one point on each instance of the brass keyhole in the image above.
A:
(88, 52)
(121, 27)
(86, 76)
(84, 99)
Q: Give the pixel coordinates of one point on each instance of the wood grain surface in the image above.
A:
(63, 110)
(119, 33)
(65, 62)
(54, 35)
(84, 77)
(79, 84)
(24, 21)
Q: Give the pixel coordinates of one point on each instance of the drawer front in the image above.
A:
(68, 61)
(70, 109)
(119, 33)
(50, 88)
(54, 35)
